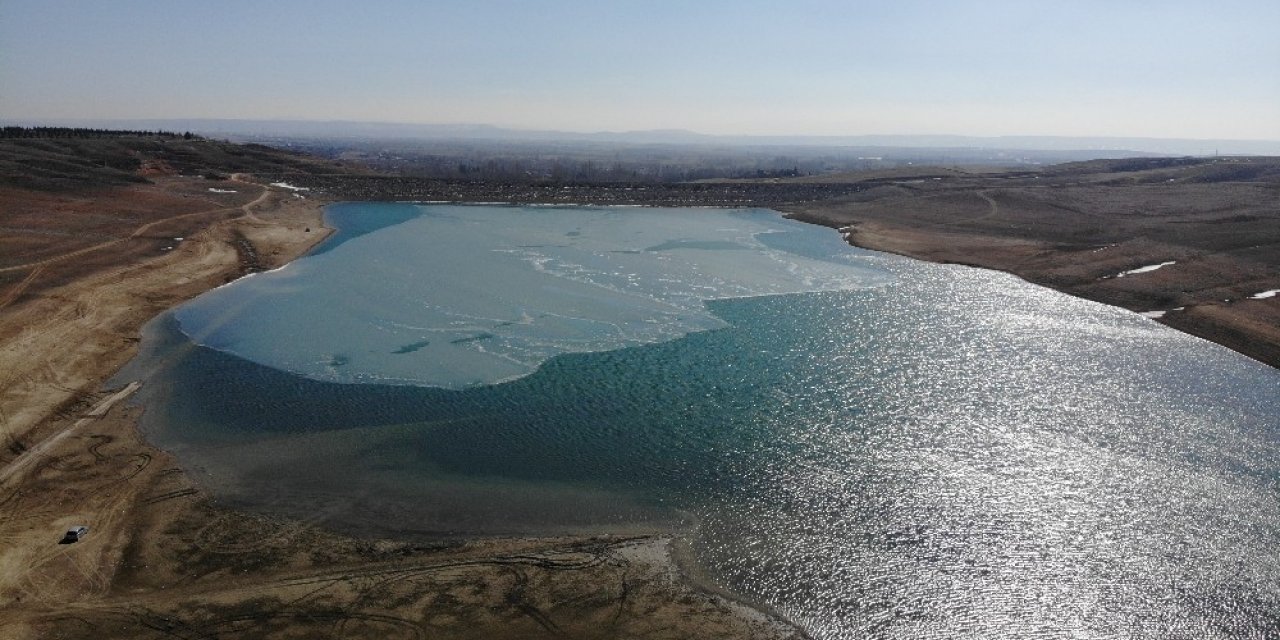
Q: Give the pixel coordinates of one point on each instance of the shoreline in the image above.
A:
(161, 548)
(1071, 227)
(157, 568)
(1214, 322)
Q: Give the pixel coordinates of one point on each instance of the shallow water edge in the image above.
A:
(950, 435)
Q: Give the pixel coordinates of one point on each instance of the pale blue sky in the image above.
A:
(1171, 68)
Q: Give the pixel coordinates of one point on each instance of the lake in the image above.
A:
(872, 446)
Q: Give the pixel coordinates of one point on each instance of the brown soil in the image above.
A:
(161, 559)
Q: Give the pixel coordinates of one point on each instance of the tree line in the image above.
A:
(85, 132)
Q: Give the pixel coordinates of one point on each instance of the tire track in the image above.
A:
(35, 454)
(17, 289)
(217, 610)
(40, 264)
(171, 495)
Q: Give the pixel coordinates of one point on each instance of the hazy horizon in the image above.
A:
(478, 126)
(1092, 69)
(286, 130)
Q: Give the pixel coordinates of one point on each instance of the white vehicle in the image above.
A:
(75, 534)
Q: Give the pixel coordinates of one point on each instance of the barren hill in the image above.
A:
(79, 163)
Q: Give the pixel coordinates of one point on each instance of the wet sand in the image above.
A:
(162, 559)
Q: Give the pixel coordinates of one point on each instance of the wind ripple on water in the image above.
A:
(955, 454)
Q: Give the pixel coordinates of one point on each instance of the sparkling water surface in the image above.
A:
(872, 446)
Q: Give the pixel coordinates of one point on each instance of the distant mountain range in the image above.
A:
(251, 129)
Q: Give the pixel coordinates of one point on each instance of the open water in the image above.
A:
(872, 446)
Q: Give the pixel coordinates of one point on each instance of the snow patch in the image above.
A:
(1147, 269)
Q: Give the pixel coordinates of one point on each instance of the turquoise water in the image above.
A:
(875, 447)
(455, 297)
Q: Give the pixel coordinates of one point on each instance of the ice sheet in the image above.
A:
(471, 295)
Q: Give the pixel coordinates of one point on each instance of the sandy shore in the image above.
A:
(163, 560)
